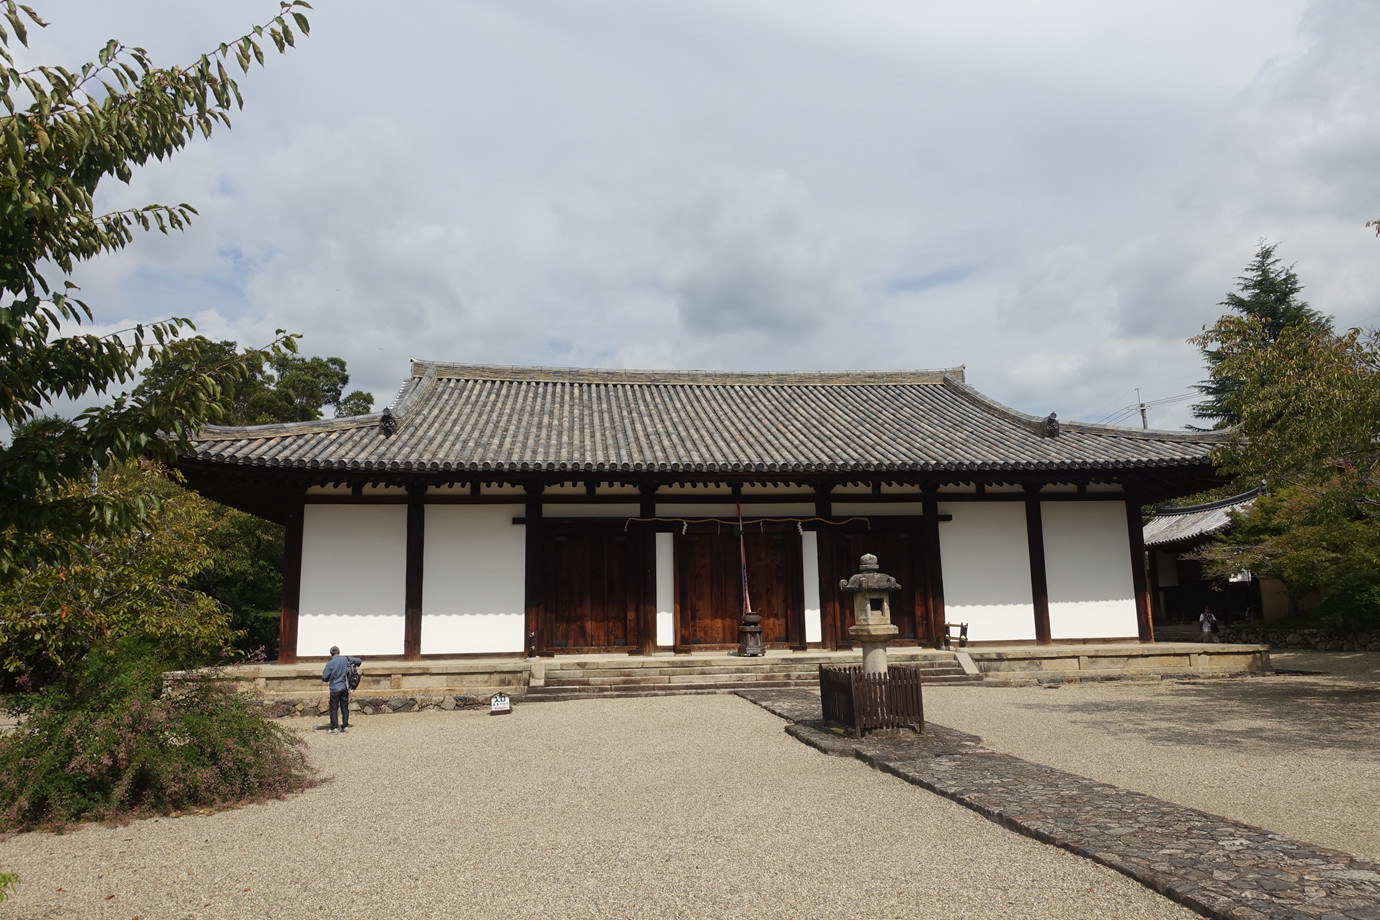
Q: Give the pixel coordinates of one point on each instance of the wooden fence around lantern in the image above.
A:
(867, 702)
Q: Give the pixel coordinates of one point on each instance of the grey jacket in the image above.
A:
(334, 672)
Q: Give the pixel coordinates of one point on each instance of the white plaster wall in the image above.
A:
(591, 511)
(878, 509)
(986, 568)
(354, 579)
(665, 589)
(473, 580)
(809, 553)
(1088, 570)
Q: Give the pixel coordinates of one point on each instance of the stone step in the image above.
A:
(604, 688)
(669, 673)
(744, 678)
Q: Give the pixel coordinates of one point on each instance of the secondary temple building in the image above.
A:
(499, 510)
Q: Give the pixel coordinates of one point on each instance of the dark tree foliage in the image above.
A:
(1269, 293)
(281, 387)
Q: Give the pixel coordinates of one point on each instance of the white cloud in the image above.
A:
(1056, 195)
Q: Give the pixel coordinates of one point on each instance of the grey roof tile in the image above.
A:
(1194, 523)
(483, 418)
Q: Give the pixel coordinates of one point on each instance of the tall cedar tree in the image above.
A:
(1271, 294)
(63, 132)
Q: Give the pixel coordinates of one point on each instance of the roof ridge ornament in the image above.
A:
(388, 425)
(1052, 426)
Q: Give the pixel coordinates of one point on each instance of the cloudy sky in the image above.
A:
(1054, 194)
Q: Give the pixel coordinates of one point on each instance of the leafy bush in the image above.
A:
(111, 743)
(136, 582)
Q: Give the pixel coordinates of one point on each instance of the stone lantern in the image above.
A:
(871, 612)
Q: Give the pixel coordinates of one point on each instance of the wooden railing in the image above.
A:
(867, 702)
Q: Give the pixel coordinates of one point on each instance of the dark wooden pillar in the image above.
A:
(1145, 626)
(292, 584)
(828, 586)
(795, 575)
(824, 506)
(538, 641)
(932, 559)
(1152, 586)
(1039, 583)
(416, 552)
(644, 558)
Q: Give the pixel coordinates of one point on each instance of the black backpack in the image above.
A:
(351, 674)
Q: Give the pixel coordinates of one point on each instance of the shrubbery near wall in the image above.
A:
(109, 744)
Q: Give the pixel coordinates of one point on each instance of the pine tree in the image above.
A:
(1271, 294)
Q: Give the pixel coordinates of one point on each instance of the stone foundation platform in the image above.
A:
(392, 685)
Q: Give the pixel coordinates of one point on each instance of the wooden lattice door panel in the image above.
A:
(590, 590)
(710, 592)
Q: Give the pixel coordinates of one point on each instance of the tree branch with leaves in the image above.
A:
(62, 133)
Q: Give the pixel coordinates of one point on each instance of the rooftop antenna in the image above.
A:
(1144, 422)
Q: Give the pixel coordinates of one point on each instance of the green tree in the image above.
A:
(1271, 294)
(1308, 405)
(281, 387)
(135, 582)
(62, 132)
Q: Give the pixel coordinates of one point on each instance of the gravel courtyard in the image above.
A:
(1296, 754)
(659, 808)
(704, 807)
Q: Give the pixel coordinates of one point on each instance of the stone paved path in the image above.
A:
(1219, 867)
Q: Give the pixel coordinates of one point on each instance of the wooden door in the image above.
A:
(898, 553)
(710, 589)
(590, 591)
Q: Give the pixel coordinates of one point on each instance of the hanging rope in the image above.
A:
(742, 555)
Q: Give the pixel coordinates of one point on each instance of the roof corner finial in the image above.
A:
(387, 423)
(1052, 426)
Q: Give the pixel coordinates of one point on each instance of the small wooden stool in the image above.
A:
(954, 631)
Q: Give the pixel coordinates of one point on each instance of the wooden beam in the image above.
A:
(292, 584)
(416, 551)
(1144, 623)
(1039, 582)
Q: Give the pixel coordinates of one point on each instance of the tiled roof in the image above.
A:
(1192, 523)
(460, 418)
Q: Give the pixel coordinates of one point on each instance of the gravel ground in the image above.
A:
(1296, 754)
(658, 808)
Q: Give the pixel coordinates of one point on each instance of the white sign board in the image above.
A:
(500, 704)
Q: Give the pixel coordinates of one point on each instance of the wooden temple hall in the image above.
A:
(512, 511)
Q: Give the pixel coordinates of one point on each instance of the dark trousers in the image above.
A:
(340, 701)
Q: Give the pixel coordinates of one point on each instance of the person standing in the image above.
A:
(1208, 623)
(334, 675)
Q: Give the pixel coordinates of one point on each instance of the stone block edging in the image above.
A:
(1322, 640)
(379, 705)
